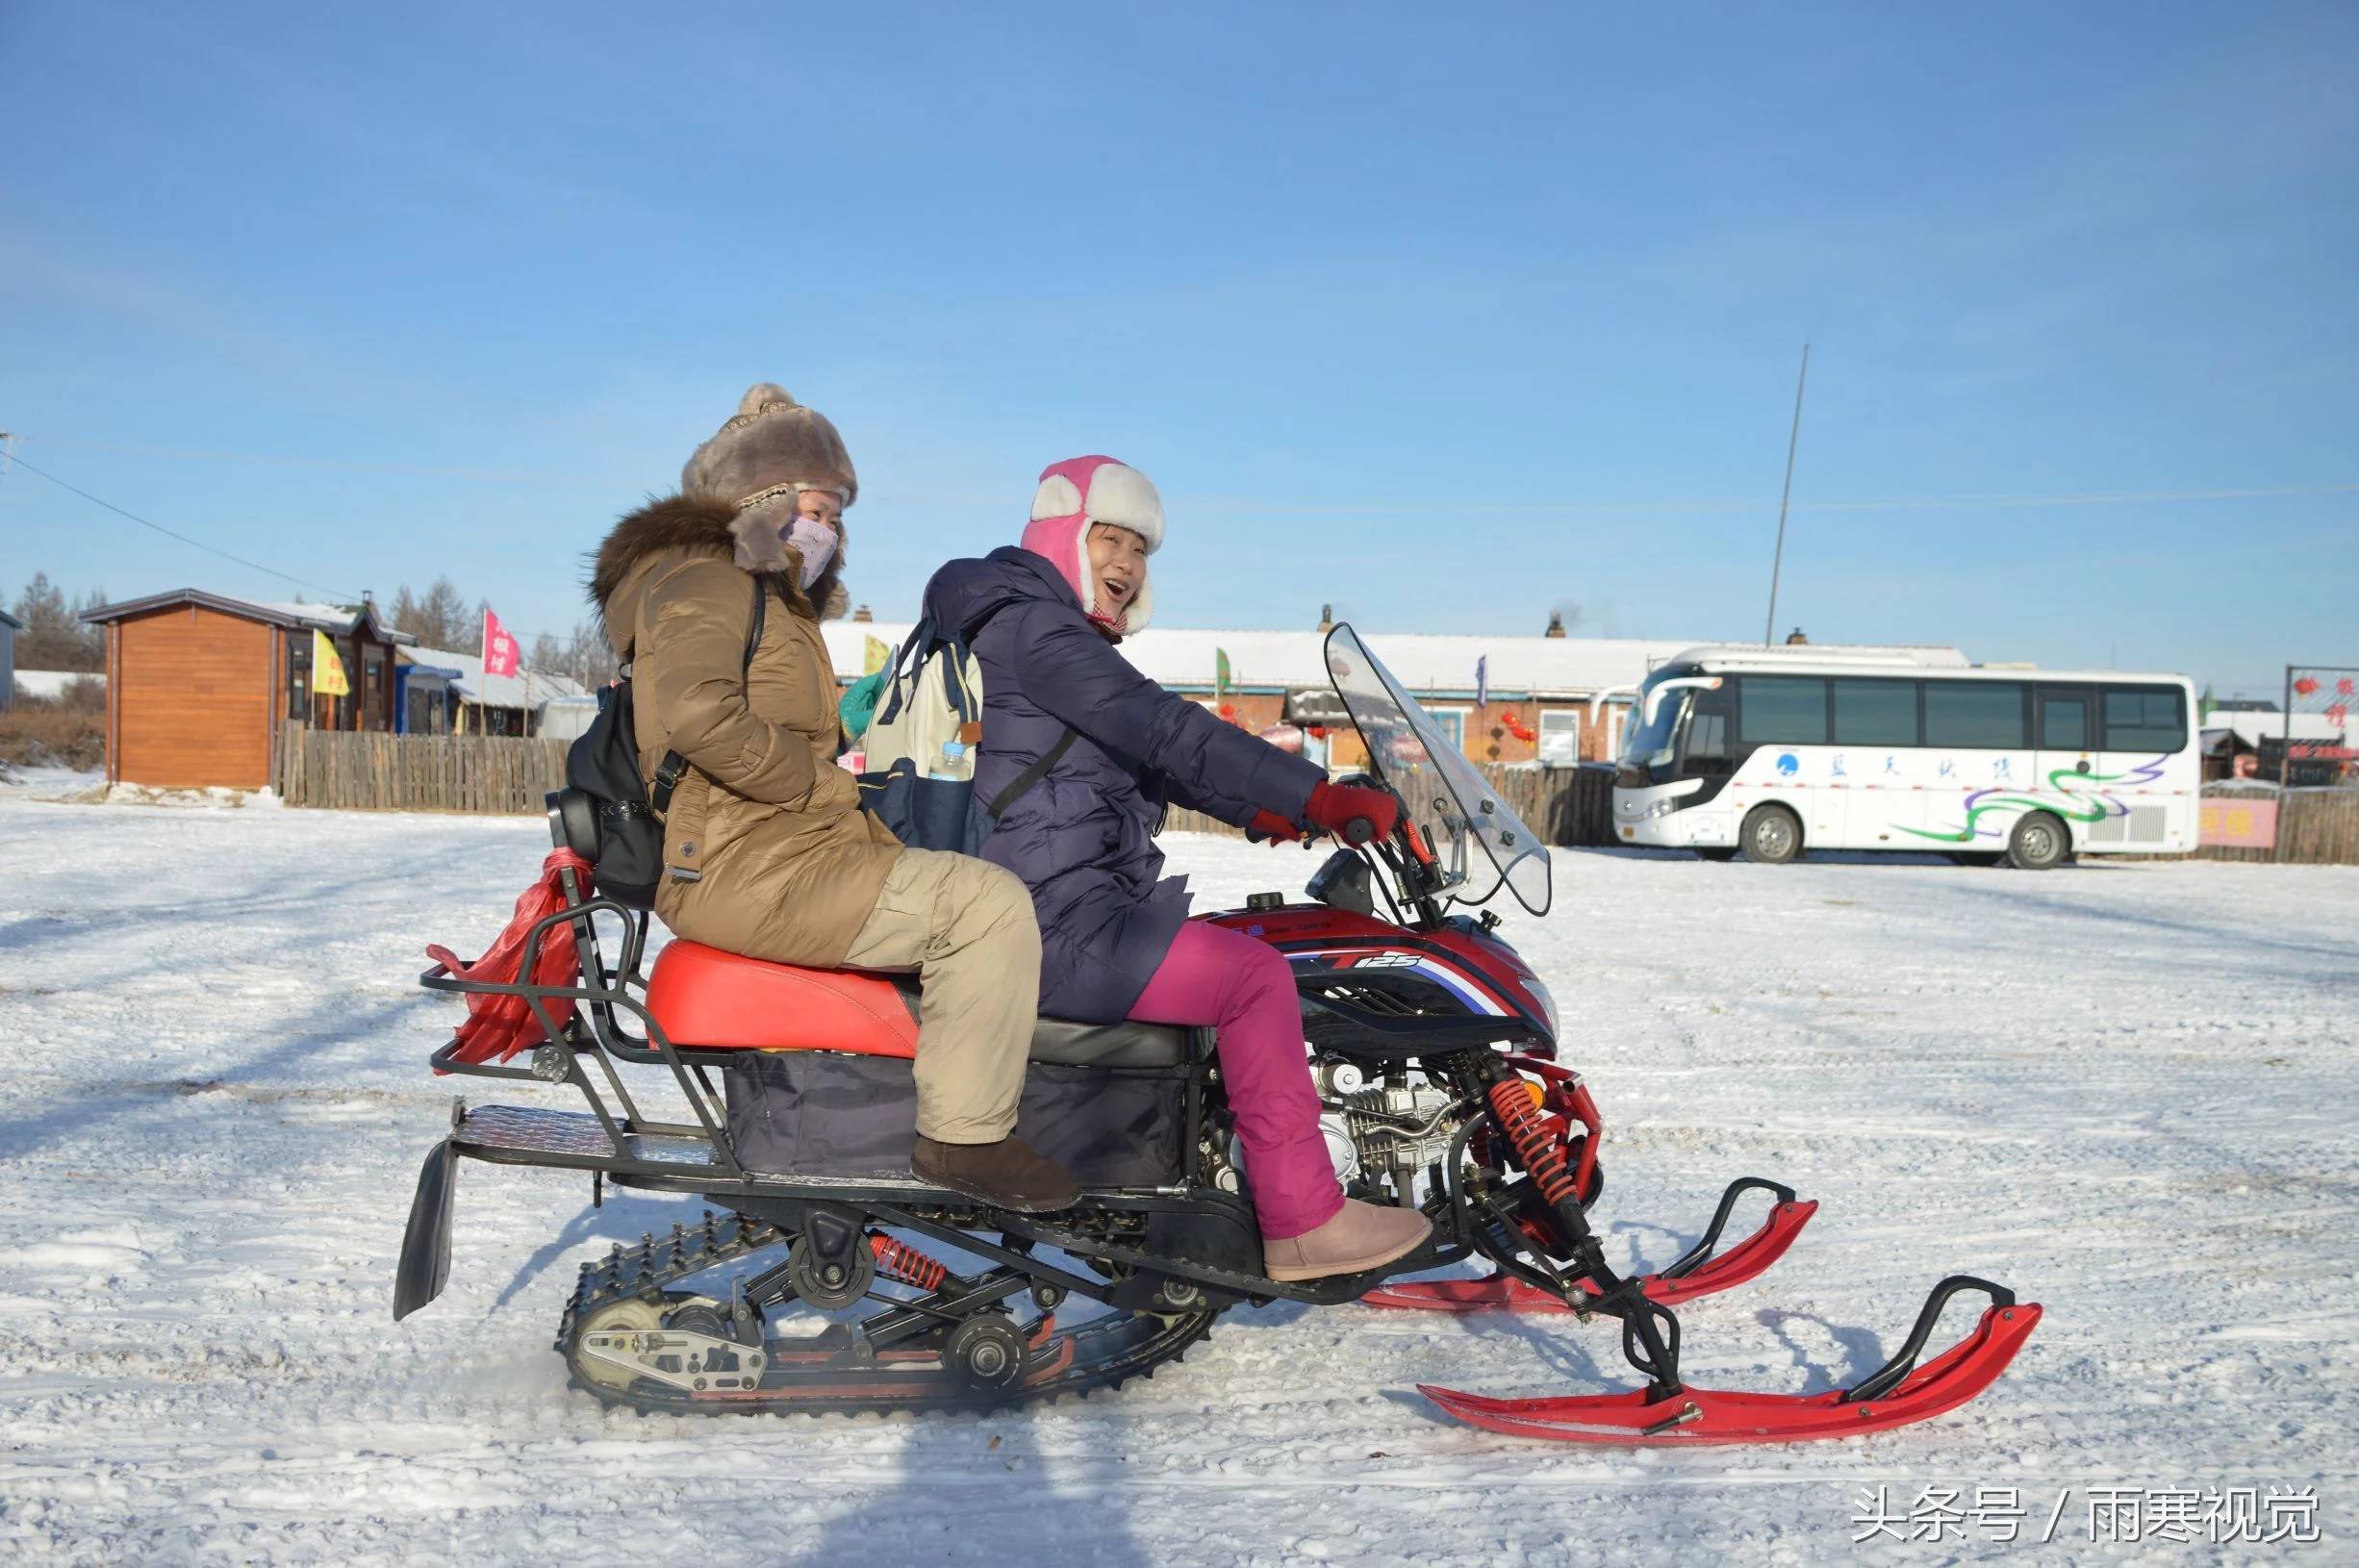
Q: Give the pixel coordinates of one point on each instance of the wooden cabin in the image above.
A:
(198, 684)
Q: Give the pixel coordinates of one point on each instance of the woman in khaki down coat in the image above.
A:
(766, 849)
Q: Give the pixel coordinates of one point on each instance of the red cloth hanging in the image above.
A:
(498, 1025)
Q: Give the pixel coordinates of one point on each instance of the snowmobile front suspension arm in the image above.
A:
(1650, 1330)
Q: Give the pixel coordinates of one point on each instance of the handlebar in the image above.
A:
(1358, 831)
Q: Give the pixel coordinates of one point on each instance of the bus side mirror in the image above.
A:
(1653, 699)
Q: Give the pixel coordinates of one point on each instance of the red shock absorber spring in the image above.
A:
(898, 1260)
(1527, 1128)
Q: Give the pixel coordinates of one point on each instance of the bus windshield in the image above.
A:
(1446, 796)
(1653, 723)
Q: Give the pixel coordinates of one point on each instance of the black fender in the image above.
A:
(426, 1245)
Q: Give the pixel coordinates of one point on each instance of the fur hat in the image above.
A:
(771, 440)
(773, 450)
(1082, 491)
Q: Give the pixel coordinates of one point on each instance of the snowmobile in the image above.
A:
(824, 1277)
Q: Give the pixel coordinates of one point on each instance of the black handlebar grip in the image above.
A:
(1358, 831)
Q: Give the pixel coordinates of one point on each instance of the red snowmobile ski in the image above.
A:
(822, 1276)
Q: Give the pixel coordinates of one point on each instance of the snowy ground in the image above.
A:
(2125, 1089)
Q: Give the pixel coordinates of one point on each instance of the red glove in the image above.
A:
(1333, 807)
(1271, 827)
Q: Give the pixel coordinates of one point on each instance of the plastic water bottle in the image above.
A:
(955, 764)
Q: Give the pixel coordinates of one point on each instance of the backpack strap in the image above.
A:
(910, 657)
(1038, 770)
(669, 771)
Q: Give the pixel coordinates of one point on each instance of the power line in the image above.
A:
(198, 544)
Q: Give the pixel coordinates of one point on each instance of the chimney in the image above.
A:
(1327, 619)
(863, 617)
(1794, 639)
(1556, 623)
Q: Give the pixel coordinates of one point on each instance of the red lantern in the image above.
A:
(1287, 738)
(1228, 711)
(2306, 686)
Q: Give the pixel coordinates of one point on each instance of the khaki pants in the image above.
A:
(966, 927)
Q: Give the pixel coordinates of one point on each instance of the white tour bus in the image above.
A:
(1773, 751)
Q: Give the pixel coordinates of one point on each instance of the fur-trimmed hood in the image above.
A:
(704, 525)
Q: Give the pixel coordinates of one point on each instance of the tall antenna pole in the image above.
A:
(1768, 631)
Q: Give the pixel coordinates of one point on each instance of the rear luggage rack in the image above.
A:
(507, 1134)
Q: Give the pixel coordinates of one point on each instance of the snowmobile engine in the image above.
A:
(1377, 1132)
(1399, 1131)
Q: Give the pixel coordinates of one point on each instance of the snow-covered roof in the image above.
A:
(327, 617)
(1275, 661)
(330, 618)
(2252, 729)
(467, 677)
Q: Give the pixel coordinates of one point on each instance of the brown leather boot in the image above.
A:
(1007, 1174)
(1362, 1236)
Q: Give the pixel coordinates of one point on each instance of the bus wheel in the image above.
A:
(1723, 852)
(2038, 842)
(1771, 835)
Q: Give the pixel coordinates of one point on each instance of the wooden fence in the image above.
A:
(1567, 806)
(1563, 805)
(2316, 827)
(358, 772)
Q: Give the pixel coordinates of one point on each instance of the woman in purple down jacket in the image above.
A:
(1042, 619)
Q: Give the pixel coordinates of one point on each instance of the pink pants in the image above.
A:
(1245, 988)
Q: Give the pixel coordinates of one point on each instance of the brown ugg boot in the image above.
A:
(1007, 1174)
(1362, 1236)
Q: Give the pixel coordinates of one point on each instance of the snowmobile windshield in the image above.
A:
(1480, 843)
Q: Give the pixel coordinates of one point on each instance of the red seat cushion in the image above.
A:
(712, 999)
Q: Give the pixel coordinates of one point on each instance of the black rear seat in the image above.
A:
(1063, 1042)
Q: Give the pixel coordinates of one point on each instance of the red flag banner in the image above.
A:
(501, 656)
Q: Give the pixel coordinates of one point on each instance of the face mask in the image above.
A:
(815, 541)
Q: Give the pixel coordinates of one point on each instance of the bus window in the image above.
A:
(2064, 719)
(2144, 718)
(1975, 715)
(1709, 753)
(1782, 710)
(1875, 712)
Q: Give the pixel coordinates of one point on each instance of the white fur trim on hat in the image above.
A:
(1126, 498)
(1119, 495)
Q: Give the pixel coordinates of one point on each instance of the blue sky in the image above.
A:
(1447, 318)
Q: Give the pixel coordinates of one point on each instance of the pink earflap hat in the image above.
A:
(1082, 491)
